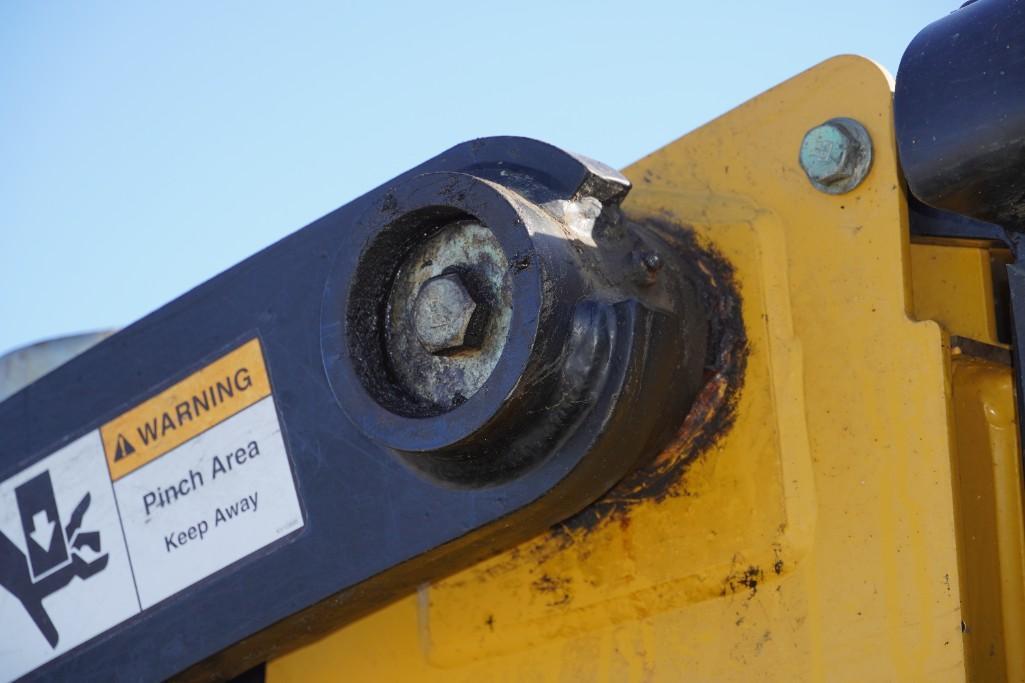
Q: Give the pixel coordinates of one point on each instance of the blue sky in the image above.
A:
(145, 147)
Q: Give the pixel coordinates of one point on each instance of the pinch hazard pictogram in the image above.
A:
(124, 448)
(65, 574)
(53, 556)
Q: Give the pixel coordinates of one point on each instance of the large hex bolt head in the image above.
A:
(836, 155)
(446, 317)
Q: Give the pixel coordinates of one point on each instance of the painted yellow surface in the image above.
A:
(990, 534)
(953, 285)
(816, 539)
(210, 395)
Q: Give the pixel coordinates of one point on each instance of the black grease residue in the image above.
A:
(556, 589)
(743, 579)
(713, 411)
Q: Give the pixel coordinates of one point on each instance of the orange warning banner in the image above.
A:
(209, 396)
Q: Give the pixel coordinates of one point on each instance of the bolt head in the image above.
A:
(826, 152)
(836, 155)
(652, 262)
(445, 315)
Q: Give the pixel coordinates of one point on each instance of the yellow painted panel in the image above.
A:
(953, 285)
(989, 496)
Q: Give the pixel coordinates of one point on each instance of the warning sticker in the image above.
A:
(164, 495)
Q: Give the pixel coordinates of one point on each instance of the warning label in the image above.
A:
(164, 495)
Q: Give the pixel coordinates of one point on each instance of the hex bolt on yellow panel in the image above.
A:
(814, 539)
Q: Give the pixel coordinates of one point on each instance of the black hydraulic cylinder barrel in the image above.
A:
(959, 110)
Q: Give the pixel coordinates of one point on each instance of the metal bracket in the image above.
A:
(595, 367)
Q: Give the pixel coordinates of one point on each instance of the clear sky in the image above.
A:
(145, 147)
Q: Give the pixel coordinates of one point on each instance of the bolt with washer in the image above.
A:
(836, 155)
(446, 317)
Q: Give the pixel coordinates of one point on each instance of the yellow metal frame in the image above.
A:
(990, 532)
(818, 537)
(953, 285)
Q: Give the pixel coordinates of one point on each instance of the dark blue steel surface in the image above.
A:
(365, 510)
